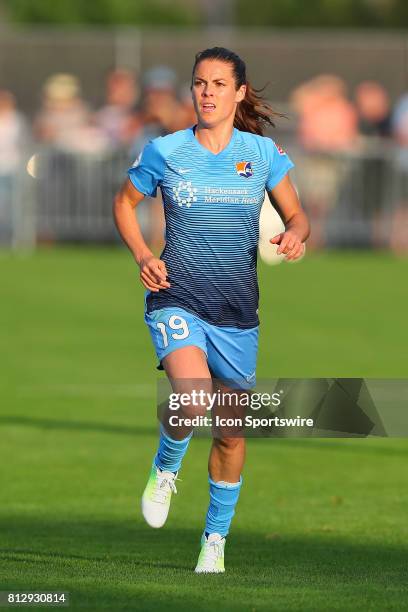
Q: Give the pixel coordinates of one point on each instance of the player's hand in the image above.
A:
(289, 245)
(153, 273)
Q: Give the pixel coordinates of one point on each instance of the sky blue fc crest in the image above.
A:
(244, 169)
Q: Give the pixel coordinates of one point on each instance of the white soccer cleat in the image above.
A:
(157, 496)
(211, 559)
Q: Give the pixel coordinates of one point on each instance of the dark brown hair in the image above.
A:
(253, 114)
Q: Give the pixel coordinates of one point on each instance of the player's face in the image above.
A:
(214, 91)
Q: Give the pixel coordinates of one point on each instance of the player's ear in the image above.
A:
(240, 95)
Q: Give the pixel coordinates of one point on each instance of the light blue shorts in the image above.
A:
(231, 352)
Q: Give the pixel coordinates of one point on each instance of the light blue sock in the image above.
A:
(171, 452)
(223, 499)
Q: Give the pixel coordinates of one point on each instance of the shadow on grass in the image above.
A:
(366, 446)
(59, 424)
(357, 446)
(110, 564)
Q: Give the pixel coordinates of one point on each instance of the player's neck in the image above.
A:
(216, 138)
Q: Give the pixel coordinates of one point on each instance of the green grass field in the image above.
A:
(320, 525)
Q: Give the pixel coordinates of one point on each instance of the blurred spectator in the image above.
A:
(118, 119)
(162, 114)
(65, 120)
(13, 134)
(14, 137)
(327, 124)
(160, 98)
(188, 115)
(327, 120)
(399, 121)
(399, 126)
(62, 109)
(373, 108)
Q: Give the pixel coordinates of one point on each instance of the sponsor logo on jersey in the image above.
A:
(185, 193)
(244, 169)
(280, 150)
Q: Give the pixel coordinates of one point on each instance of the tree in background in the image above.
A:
(260, 13)
(101, 12)
(323, 13)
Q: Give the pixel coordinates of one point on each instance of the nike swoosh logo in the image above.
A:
(184, 170)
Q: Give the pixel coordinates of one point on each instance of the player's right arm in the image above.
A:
(153, 273)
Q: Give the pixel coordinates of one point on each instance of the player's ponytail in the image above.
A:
(254, 113)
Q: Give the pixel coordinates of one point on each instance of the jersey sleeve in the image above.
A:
(280, 164)
(148, 170)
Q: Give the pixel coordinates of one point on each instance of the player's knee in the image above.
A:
(191, 411)
(229, 444)
(191, 399)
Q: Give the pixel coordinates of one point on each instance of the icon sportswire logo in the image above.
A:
(185, 193)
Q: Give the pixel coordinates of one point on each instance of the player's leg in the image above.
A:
(180, 346)
(226, 460)
(227, 454)
(232, 357)
(187, 370)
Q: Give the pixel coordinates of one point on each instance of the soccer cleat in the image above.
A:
(157, 496)
(211, 559)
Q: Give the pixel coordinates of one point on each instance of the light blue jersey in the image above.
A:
(212, 204)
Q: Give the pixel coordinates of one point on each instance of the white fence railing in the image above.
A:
(358, 199)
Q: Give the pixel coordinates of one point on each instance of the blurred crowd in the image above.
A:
(329, 121)
(132, 114)
(327, 118)
(352, 145)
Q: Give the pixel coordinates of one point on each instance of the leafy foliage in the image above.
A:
(100, 12)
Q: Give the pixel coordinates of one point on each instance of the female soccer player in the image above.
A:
(202, 293)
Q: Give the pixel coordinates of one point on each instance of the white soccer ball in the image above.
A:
(270, 225)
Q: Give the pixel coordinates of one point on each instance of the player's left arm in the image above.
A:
(285, 199)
